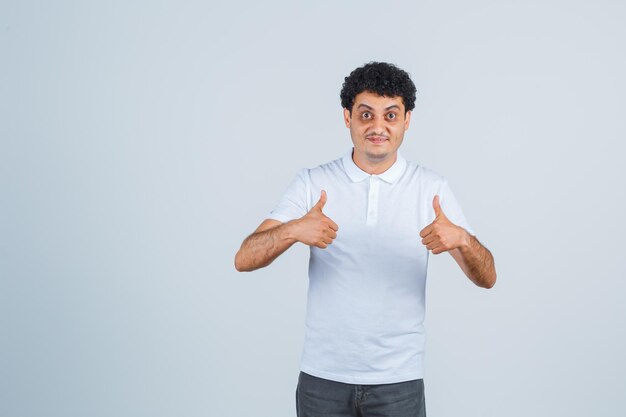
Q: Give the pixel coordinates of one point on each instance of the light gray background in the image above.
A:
(141, 142)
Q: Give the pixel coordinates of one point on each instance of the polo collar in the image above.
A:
(356, 174)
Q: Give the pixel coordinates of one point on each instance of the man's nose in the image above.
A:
(379, 126)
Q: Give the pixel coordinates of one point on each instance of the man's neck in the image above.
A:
(374, 167)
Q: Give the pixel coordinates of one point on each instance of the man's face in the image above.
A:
(377, 125)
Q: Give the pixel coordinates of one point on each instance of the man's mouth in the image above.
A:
(376, 139)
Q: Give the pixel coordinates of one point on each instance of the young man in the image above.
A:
(370, 219)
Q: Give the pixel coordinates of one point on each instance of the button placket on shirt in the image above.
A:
(372, 200)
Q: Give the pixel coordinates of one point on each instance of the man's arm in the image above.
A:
(474, 259)
(272, 237)
(267, 242)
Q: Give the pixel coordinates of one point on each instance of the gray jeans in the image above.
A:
(318, 397)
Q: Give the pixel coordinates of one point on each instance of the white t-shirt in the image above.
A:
(365, 306)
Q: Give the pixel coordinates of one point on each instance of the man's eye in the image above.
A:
(391, 116)
(366, 115)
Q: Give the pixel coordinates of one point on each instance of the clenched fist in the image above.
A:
(315, 228)
(442, 235)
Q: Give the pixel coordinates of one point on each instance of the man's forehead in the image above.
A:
(371, 99)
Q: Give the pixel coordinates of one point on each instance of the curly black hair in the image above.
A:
(381, 78)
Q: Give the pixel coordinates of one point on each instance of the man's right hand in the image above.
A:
(315, 228)
(272, 237)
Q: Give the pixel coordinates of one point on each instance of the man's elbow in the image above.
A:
(490, 282)
(239, 264)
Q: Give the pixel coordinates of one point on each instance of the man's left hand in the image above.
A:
(442, 235)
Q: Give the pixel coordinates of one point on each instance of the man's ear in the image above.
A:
(407, 120)
(346, 117)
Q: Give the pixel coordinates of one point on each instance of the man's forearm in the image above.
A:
(476, 262)
(261, 248)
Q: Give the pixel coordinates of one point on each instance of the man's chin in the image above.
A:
(377, 156)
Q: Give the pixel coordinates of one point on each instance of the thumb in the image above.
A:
(321, 202)
(437, 207)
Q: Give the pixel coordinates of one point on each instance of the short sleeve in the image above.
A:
(451, 207)
(294, 203)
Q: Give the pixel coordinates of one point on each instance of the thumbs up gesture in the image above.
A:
(315, 228)
(442, 235)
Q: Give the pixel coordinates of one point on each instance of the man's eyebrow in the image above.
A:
(371, 108)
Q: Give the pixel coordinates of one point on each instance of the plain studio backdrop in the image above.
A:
(141, 142)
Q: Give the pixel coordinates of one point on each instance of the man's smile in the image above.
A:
(377, 139)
